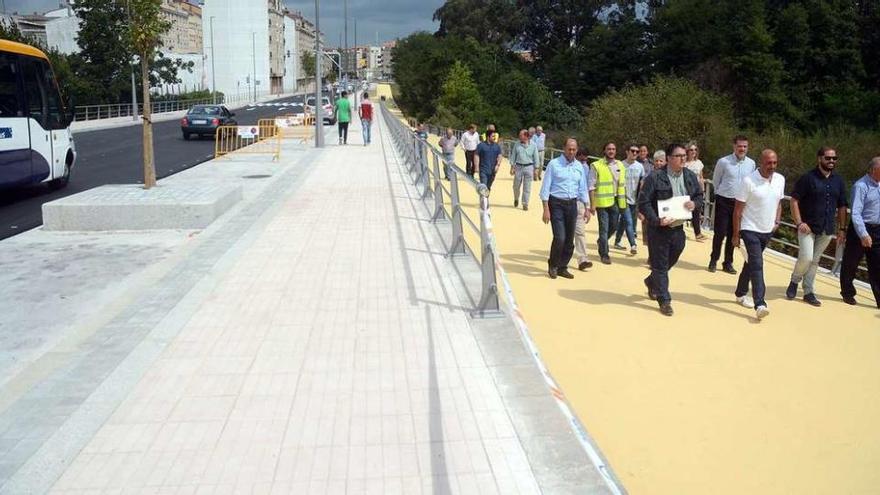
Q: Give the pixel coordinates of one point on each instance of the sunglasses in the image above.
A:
(830, 158)
(633, 151)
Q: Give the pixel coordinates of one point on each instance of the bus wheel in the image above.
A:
(61, 182)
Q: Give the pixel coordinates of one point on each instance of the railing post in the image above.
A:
(457, 245)
(489, 306)
(439, 213)
(424, 176)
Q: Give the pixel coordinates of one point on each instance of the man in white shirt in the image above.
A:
(539, 139)
(756, 216)
(469, 141)
(728, 175)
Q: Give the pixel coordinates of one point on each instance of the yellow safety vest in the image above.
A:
(605, 185)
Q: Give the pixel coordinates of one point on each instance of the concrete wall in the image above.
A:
(241, 42)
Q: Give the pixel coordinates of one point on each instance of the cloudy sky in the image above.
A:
(390, 18)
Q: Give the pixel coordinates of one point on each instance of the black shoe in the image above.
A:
(564, 273)
(791, 291)
(583, 265)
(515, 203)
(728, 269)
(666, 309)
(651, 294)
(606, 260)
(812, 300)
(712, 267)
(851, 300)
(525, 207)
(552, 272)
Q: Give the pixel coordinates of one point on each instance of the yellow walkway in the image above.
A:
(710, 400)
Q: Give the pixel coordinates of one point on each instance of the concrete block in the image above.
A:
(193, 205)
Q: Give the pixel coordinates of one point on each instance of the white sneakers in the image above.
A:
(762, 311)
(746, 302)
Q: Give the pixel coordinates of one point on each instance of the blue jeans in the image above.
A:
(365, 128)
(753, 269)
(448, 161)
(563, 220)
(487, 177)
(627, 223)
(608, 219)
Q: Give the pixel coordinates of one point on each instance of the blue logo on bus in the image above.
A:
(5, 132)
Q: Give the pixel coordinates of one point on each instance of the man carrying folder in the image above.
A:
(674, 188)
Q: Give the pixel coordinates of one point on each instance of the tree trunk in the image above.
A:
(149, 162)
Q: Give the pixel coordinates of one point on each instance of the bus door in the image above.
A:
(15, 141)
(37, 97)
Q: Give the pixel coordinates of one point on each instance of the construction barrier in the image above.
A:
(262, 139)
(293, 126)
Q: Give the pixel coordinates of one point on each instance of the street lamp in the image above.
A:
(213, 72)
(319, 61)
(134, 101)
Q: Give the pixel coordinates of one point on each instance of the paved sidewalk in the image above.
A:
(326, 351)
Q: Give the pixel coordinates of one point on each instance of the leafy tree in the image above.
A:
(487, 21)
(147, 26)
(460, 102)
(307, 60)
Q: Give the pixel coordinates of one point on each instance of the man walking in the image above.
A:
(818, 207)
(756, 216)
(629, 214)
(343, 116)
(564, 185)
(365, 112)
(659, 162)
(487, 160)
(539, 139)
(666, 237)
(727, 178)
(863, 235)
(583, 216)
(609, 197)
(523, 158)
(447, 145)
(469, 141)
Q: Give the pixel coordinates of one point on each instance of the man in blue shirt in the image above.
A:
(565, 183)
(487, 159)
(818, 209)
(863, 235)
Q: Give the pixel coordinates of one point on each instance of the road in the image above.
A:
(113, 156)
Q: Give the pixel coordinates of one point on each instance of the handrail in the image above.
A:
(113, 110)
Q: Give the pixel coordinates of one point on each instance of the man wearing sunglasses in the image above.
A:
(628, 216)
(818, 208)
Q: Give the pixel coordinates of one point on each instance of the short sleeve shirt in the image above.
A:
(818, 198)
(488, 153)
(762, 199)
(635, 172)
(343, 110)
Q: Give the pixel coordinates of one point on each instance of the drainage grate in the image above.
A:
(256, 176)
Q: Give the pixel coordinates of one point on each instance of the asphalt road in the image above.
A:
(113, 156)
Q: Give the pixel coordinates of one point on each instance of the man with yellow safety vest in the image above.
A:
(609, 197)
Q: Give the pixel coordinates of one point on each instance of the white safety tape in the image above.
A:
(518, 318)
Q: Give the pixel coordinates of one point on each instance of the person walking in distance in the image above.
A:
(583, 216)
(628, 215)
(645, 160)
(447, 145)
(469, 142)
(609, 197)
(695, 165)
(365, 112)
(863, 235)
(523, 159)
(727, 178)
(756, 216)
(659, 162)
(343, 116)
(487, 160)
(666, 239)
(818, 209)
(539, 139)
(564, 186)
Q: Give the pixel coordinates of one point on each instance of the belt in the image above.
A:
(563, 200)
(525, 164)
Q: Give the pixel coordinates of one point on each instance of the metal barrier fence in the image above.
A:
(95, 112)
(424, 163)
(292, 126)
(248, 139)
(708, 215)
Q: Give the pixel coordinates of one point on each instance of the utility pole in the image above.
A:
(254, 56)
(355, 47)
(319, 61)
(213, 72)
(345, 9)
(134, 99)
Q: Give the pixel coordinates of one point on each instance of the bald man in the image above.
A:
(756, 216)
(565, 184)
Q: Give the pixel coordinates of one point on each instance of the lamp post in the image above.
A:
(213, 72)
(319, 61)
(134, 100)
(254, 57)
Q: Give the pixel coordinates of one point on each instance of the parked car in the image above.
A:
(326, 107)
(203, 120)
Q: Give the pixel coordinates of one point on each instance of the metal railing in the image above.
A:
(425, 163)
(263, 139)
(108, 111)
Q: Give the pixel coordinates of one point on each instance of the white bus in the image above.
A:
(36, 144)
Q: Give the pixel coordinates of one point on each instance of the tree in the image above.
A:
(307, 61)
(147, 26)
(460, 102)
(487, 21)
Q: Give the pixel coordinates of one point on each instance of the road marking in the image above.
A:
(249, 109)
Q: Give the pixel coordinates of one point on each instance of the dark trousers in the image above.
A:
(469, 162)
(753, 269)
(343, 131)
(852, 256)
(665, 245)
(563, 219)
(723, 229)
(695, 221)
(608, 220)
(487, 177)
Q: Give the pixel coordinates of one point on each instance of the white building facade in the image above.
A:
(238, 48)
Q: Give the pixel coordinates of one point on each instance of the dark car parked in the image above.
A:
(205, 119)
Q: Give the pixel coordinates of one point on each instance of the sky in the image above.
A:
(390, 18)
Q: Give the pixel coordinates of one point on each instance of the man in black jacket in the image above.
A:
(666, 235)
